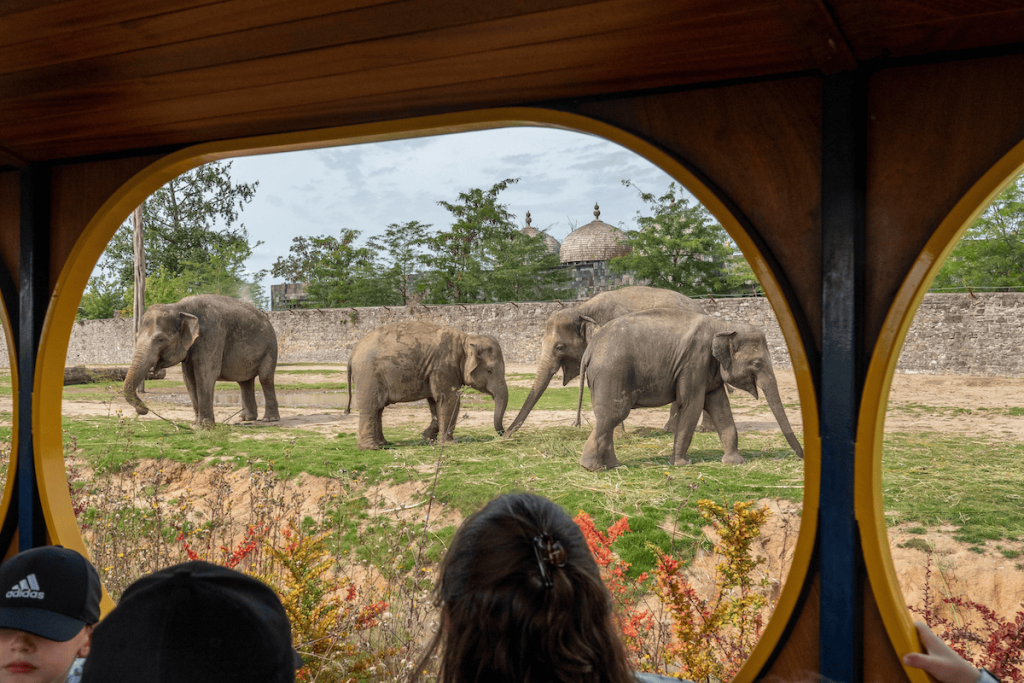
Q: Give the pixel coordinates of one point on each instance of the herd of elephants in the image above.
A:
(635, 347)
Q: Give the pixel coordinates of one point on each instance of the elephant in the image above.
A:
(214, 337)
(685, 360)
(569, 330)
(407, 361)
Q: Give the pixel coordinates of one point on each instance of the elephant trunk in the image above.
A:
(770, 388)
(141, 365)
(500, 404)
(540, 383)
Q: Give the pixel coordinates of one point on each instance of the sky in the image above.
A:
(366, 187)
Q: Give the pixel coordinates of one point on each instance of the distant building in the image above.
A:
(587, 250)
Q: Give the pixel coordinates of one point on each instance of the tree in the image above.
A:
(194, 242)
(991, 254)
(461, 255)
(524, 270)
(680, 246)
(483, 257)
(342, 274)
(404, 245)
(103, 298)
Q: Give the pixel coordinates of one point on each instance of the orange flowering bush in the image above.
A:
(714, 636)
(637, 624)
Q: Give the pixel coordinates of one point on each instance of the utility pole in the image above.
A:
(139, 304)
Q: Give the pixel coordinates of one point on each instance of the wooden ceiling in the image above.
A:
(80, 78)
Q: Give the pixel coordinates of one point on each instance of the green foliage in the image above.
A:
(991, 254)
(403, 244)
(103, 297)
(346, 275)
(682, 247)
(193, 245)
(339, 273)
(482, 257)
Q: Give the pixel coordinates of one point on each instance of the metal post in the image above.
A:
(843, 174)
(33, 298)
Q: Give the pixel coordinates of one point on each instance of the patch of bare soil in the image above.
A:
(945, 404)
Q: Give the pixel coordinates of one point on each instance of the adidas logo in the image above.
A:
(26, 588)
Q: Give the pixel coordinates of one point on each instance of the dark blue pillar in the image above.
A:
(33, 298)
(842, 217)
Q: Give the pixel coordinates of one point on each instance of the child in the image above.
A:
(522, 599)
(49, 602)
(194, 622)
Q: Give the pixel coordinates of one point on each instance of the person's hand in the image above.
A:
(941, 661)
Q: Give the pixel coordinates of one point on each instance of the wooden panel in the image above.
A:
(884, 28)
(435, 52)
(759, 144)
(881, 661)
(933, 131)
(78, 192)
(10, 226)
(76, 31)
(798, 658)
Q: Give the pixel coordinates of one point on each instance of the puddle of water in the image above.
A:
(331, 399)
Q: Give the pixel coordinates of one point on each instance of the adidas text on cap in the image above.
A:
(50, 592)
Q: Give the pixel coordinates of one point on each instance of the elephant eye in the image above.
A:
(559, 346)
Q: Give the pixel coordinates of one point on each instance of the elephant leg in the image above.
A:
(371, 428)
(204, 401)
(248, 390)
(271, 412)
(448, 414)
(188, 374)
(686, 424)
(430, 433)
(717, 403)
(707, 425)
(599, 450)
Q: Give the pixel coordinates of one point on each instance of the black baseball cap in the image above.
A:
(50, 592)
(194, 622)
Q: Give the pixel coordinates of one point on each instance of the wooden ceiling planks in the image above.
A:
(578, 50)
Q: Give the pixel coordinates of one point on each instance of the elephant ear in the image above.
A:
(721, 348)
(189, 330)
(588, 327)
(472, 360)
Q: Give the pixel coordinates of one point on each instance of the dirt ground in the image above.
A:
(987, 577)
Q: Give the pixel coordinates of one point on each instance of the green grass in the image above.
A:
(971, 483)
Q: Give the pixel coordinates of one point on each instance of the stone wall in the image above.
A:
(951, 334)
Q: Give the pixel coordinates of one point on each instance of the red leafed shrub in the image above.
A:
(636, 624)
(988, 640)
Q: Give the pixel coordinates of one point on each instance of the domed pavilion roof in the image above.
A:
(550, 242)
(595, 241)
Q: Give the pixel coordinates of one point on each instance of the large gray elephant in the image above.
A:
(684, 359)
(568, 331)
(408, 361)
(214, 338)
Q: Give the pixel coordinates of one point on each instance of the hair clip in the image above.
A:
(548, 551)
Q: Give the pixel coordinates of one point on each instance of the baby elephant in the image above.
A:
(661, 356)
(407, 361)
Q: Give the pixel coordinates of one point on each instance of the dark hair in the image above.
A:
(522, 601)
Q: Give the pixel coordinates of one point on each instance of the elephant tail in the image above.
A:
(583, 380)
(348, 376)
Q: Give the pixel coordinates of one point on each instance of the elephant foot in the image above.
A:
(429, 434)
(248, 417)
(594, 464)
(733, 459)
(272, 417)
(371, 445)
(678, 462)
(705, 429)
(204, 424)
(142, 410)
